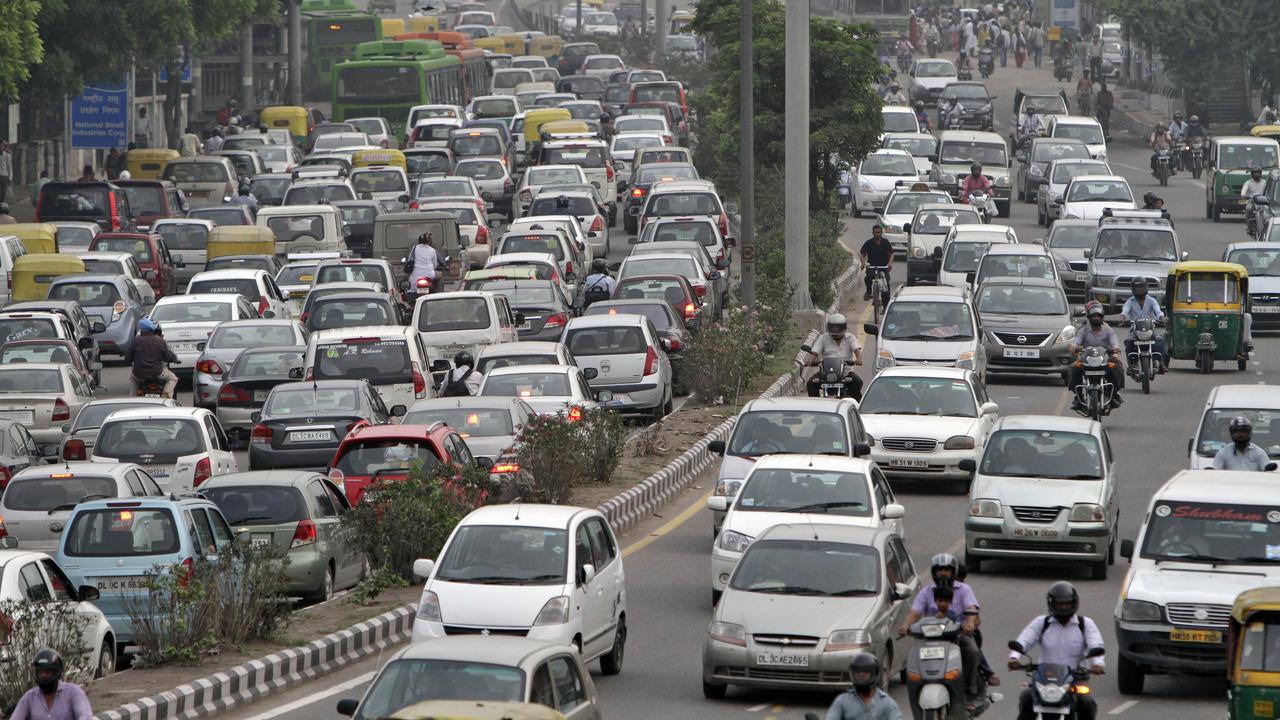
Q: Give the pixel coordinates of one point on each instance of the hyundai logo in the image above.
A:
(1201, 614)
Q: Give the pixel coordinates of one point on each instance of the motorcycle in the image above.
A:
(1062, 69)
(986, 62)
(1144, 361)
(964, 74)
(1195, 156)
(831, 372)
(843, 194)
(1055, 687)
(953, 119)
(1096, 391)
(1084, 102)
(904, 60)
(935, 683)
(983, 203)
(1163, 160)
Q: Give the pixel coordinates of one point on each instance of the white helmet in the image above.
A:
(124, 175)
(836, 324)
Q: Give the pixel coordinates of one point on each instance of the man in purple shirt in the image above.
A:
(52, 699)
(944, 567)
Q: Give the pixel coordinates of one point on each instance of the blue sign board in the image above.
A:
(100, 117)
(163, 76)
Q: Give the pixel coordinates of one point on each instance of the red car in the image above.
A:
(675, 289)
(388, 452)
(151, 253)
(151, 200)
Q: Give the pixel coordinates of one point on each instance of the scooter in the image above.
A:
(986, 62)
(935, 683)
(984, 203)
(1144, 360)
(831, 372)
(1096, 391)
(904, 61)
(1055, 688)
(1062, 69)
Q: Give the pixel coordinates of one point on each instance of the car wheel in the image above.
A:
(713, 692)
(715, 598)
(1130, 676)
(611, 662)
(973, 562)
(326, 589)
(106, 659)
(1022, 192)
(1098, 570)
(1041, 218)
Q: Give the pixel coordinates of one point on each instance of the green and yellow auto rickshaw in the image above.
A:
(1253, 656)
(1207, 305)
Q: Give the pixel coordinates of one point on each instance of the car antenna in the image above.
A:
(518, 502)
(809, 519)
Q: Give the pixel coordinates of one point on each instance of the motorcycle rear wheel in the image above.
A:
(1145, 371)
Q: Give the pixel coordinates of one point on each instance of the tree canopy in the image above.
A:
(20, 45)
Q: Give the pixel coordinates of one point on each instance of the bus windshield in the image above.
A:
(382, 82)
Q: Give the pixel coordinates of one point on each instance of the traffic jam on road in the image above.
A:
(489, 225)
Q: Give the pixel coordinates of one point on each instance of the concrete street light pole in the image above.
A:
(796, 196)
(747, 157)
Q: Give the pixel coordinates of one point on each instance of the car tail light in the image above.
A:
(413, 205)
(209, 367)
(597, 225)
(724, 224)
(556, 320)
(637, 192)
(204, 471)
(60, 410)
(311, 373)
(666, 140)
(232, 395)
(482, 235)
(263, 305)
(526, 195)
(304, 317)
(504, 467)
(480, 204)
(575, 413)
(303, 534)
(261, 435)
(650, 361)
(700, 290)
(384, 142)
(675, 344)
(75, 449)
(184, 570)
(115, 217)
(419, 382)
(568, 268)
(5, 476)
(608, 172)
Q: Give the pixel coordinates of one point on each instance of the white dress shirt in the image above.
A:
(1061, 643)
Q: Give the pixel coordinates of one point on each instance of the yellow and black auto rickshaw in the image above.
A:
(1207, 305)
(33, 272)
(293, 117)
(35, 237)
(1253, 656)
(148, 163)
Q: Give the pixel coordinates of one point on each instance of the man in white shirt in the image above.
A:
(1255, 185)
(1065, 638)
(836, 343)
(463, 379)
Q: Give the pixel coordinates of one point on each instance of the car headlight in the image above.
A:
(917, 252)
(893, 228)
(730, 633)
(1062, 265)
(958, 442)
(1068, 333)
(1051, 692)
(967, 360)
(1140, 611)
(555, 612)
(1002, 182)
(865, 186)
(986, 507)
(728, 488)
(884, 359)
(429, 607)
(1035, 171)
(985, 109)
(735, 542)
(947, 179)
(1087, 512)
(848, 640)
(1100, 280)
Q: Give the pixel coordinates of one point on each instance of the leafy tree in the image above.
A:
(20, 45)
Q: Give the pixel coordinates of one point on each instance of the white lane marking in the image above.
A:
(311, 699)
(758, 708)
(1128, 167)
(1122, 707)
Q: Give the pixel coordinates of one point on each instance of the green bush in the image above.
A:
(721, 361)
(557, 453)
(25, 628)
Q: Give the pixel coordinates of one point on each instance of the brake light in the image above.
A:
(608, 172)
(311, 373)
(482, 235)
(5, 475)
(75, 449)
(597, 225)
(209, 367)
(690, 310)
(568, 268)
(60, 410)
(261, 435)
(263, 305)
(480, 204)
(526, 195)
(500, 468)
(184, 570)
(675, 344)
(204, 471)
(556, 320)
(637, 192)
(419, 382)
(650, 361)
(575, 414)
(303, 534)
(304, 317)
(115, 218)
(413, 205)
(666, 140)
(724, 224)
(230, 394)
(700, 290)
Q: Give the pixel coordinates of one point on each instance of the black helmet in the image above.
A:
(599, 266)
(1062, 599)
(48, 666)
(919, 105)
(1255, 171)
(943, 561)
(1149, 198)
(1140, 282)
(975, 168)
(4, 208)
(424, 237)
(864, 670)
(1194, 119)
(464, 358)
(1243, 426)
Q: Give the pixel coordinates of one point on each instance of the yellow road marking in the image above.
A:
(672, 524)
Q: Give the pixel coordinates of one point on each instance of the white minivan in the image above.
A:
(390, 357)
(450, 322)
(1259, 403)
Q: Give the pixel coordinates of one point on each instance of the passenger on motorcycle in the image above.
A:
(895, 96)
(943, 568)
(1140, 306)
(838, 344)
(865, 701)
(149, 357)
(1151, 201)
(922, 117)
(1241, 453)
(1096, 334)
(975, 181)
(1064, 637)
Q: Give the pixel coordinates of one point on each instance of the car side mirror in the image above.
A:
(484, 463)
(1185, 254)
(295, 373)
(422, 567)
(87, 593)
(255, 417)
(731, 242)
(665, 344)
(901, 591)
(586, 573)
(1077, 312)
(633, 240)
(404, 199)
(1261, 200)
(86, 343)
(268, 313)
(614, 266)
(398, 410)
(149, 274)
(495, 224)
(906, 227)
(590, 373)
(893, 511)
(870, 329)
(439, 365)
(718, 503)
(716, 446)
(1088, 253)
(861, 449)
(8, 542)
(714, 275)
(178, 264)
(937, 253)
(968, 465)
(1270, 467)
(989, 408)
(604, 396)
(201, 346)
(97, 327)
(1126, 549)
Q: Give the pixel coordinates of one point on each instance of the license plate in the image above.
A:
(1021, 352)
(23, 416)
(1035, 532)
(768, 658)
(933, 653)
(182, 346)
(260, 539)
(1266, 308)
(309, 435)
(260, 395)
(526, 325)
(1082, 277)
(1195, 636)
(121, 584)
(904, 462)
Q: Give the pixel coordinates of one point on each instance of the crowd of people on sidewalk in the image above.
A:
(1010, 29)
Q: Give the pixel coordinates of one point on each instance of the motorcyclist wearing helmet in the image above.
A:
(1177, 128)
(944, 567)
(837, 343)
(149, 357)
(422, 261)
(1140, 306)
(922, 117)
(895, 96)
(1241, 453)
(974, 181)
(463, 379)
(51, 697)
(1151, 201)
(1096, 333)
(599, 285)
(1195, 129)
(950, 111)
(865, 700)
(1159, 140)
(1064, 637)
(1255, 185)
(1029, 125)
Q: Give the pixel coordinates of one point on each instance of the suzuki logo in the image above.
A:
(1201, 614)
(786, 641)
(485, 632)
(908, 444)
(1022, 339)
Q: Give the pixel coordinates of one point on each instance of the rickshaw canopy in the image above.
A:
(424, 23)
(35, 237)
(241, 240)
(533, 120)
(375, 158)
(148, 163)
(1250, 602)
(33, 272)
(293, 117)
(1205, 285)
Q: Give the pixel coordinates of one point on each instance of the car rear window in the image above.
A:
(298, 400)
(533, 244)
(295, 226)
(469, 422)
(246, 288)
(233, 215)
(365, 459)
(196, 172)
(348, 312)
(12, 329)
(527, 385)
(318, 194)
(493, 363)
(475, 145)
(657, 93)
(454, 314)
(379, 181)
(257, 334)
(35, 353)
(88, 294)
(266, 364)
(606, 341)
(364, 272)
(145, 199)
(563, 205)
(74, 201)
(382, 362)
(657, 313)
(47, 493)
(421, 164)
(588, 157)
(139, 249)
(184, 237)
(122, 533)
(93, 414)
(157, 439)
(16, 379)
(694, 203)
(481, 170)
(258, 504)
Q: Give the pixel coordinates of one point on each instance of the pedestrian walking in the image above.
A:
(1037, 43)
(6, 170)
(114, 164)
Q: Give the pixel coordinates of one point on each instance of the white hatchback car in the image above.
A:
(877, 176)
(630, 360)
(548, 572)
(187, 321)
(179, 447)
(548, 389)
(964, 248)
(1087, 196)
(781, 489)
(255, 286)
(930, 326)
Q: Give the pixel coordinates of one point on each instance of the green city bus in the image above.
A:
(333, 29)
(390, 77)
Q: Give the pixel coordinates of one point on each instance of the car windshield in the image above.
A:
(409, 681)
(527, 385)
(16, 379)
(246, 288)
(1212, 533)
(505, 555)
(898, 121)
(1099, 191)
(1233, 156)
(808, 567)
(1135, 243)
(1214, 434)
(184, 312)
(619, 340)
(809, 490)
(916, 320)
(1026, 266)
(49, 493)
(184, 237)
(901, 395)
(88, 294)
(964, 256)
(266, 364)
(297, 400)
(1021, 300)
(258, 504)
(939, 222)
(292, 227)
(255, 334)
(382, 362)
(379, 181)
(1064, 172)
(118, 533)
(152, 438)
(469, 422)
(1088, 134)
(935, 68)
(886, 164)
(965, 152)
(768, 432)
(1075, 237)
(1045, 104)
(451, 314)
(1048, 150)
(918, 147)
(1260, 262)
(1054, 454)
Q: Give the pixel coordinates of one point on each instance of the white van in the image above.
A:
(450, 322)
(965, 247)
(1259, 403)
(304, 228)
(1208, 536)
(390, 357)
(11, 248)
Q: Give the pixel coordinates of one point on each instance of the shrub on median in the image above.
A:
(557, 453)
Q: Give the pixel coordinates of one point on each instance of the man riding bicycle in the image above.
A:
(877, 256)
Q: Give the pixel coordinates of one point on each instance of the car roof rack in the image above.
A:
(1150, 217)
